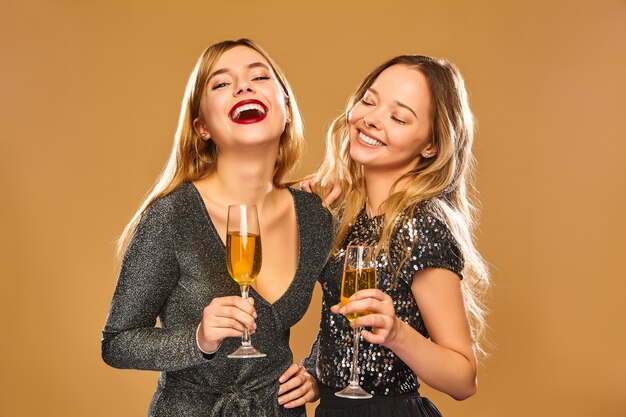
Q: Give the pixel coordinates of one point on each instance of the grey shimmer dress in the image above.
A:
(174, 266)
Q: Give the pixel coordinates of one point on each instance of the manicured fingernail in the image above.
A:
(254, 314)
(281, 401)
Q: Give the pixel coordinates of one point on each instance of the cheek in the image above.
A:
(211, 108)
(283, 105)
(278, 103)
(275, 93)
(353, 116)
(412, 143)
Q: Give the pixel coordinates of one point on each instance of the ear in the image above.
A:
(287, 108)
(429, 151)
(201, 129)
(287, 112)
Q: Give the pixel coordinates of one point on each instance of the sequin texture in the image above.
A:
(420, 241)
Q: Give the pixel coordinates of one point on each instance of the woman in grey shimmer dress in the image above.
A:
(402, 155)
(239, 135)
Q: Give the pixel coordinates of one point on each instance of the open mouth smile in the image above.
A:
(248, 111)
(369, 140)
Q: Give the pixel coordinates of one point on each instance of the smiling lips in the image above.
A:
(368, 140)
(248, 111)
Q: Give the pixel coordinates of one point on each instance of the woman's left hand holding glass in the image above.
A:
(297, 387)
(381, 318)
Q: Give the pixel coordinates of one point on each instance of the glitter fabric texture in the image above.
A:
(173, 268)
(429, 244)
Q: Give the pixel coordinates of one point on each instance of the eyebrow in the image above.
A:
(396, 102)
(250, 66)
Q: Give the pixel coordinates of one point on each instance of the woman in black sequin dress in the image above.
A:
(402, 154)
(239, 135)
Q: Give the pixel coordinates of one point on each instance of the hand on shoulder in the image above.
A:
(328, 192)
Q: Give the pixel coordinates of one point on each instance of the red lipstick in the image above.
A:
(248, 111)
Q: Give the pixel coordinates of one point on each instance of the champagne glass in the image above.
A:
(359, 273)
(243, 260)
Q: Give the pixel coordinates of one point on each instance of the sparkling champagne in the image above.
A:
(243, 256)
(353, 281)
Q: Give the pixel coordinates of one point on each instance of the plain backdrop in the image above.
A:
(90, 93)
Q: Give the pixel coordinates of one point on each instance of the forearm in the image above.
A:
(441, 368)
(151, 348)
(310, 362)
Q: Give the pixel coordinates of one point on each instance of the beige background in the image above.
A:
(89, 98)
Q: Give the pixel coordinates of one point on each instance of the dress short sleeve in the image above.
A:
(427, 242)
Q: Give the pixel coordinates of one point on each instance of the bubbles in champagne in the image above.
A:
(243, 256)
(355, 280)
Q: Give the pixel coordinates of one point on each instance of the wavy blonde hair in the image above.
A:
(192, 157)
(444, 180)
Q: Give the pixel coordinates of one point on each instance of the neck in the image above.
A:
(378, 188)
(242, 177)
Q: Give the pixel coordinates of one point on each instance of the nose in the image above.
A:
(243, 87)
(372, 120)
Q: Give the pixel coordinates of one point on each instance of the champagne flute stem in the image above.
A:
(245, 339)
(354, 374)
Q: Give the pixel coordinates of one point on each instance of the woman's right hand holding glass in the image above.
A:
(381, 318)
(225, 317)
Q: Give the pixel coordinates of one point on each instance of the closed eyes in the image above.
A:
(399, 121)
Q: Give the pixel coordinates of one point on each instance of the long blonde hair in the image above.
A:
(444, 179)
(192, 158)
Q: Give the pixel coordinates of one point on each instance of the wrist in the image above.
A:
(396, 334)
(204, 351)
(314, 388)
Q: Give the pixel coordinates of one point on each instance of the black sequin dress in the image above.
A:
(422, 241)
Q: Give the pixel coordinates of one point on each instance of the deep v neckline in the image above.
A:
(222, 246)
